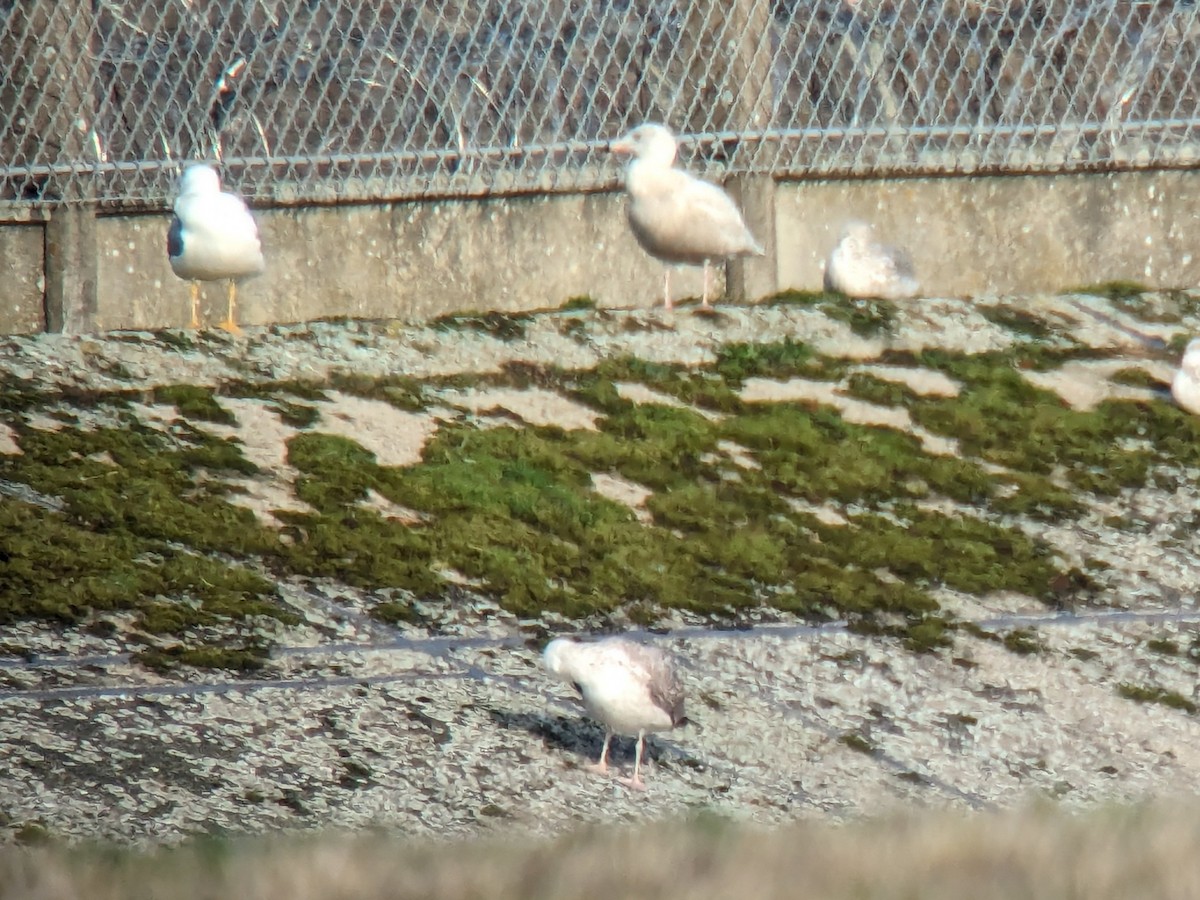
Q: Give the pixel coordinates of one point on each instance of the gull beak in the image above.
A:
(621, 147)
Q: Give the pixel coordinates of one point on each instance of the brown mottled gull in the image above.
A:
(861, 267)
(213, 237)
(1185, 386)
(676, 217)
(629, 687)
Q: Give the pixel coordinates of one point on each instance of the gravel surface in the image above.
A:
(450, 728)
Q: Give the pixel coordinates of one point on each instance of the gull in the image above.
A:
(1185, 386)
(629, 687)
(676, 217)
(212, 237)
(861, 267)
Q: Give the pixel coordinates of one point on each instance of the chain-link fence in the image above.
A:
(314, 100)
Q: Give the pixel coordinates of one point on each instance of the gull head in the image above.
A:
(856, 234)
(650, 143)
(557, 658)
(199, 178)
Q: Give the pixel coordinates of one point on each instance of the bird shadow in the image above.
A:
(582, 736)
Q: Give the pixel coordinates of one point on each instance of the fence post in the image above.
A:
(748, 34)
(751, 278)
(63, 72)
(728, 50)
(71, 269)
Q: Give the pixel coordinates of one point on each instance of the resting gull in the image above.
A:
(629, 687)
(861, 267)
(1185, 387)
(676, 217)
(212, 237)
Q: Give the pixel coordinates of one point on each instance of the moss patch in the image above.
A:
(132, 504)
(1142, 694)
(251, 658)
(1000, 417)
(149, 526)
(866, 318)
(1017, 320)
(502, 326)
(194, 402)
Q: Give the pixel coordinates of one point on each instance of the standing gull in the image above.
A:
(676, 217)
(1185, 387)
(629, 687)
(212, 237)
(861, 267)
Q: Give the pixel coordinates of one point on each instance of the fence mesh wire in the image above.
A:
(318, 100)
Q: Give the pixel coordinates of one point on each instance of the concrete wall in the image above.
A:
(968, 236)
(22, 285)
(1005, 234)
(408, 260)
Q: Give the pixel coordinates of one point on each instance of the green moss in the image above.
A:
(1017, 320)
(297, 415)
(1023, 642)
(867, 318)
(1036, 496)
(1136, 376)
(1163, 645)
(194, 402)
(342, 540)
(33, 834)
(284, 391)
(118, 544)
(579, 303)
(781, 359)
(920, 633)
(250, 658)
(1112, 290)
(513, 509)
(1178, 343)
(1149, 307)
(696, 387)
(502, 326)
(177, 340)
(857, 742)
(1159, 695)
(879, 391)
(398, 390)
(574, 328)
(801, 298)
(343, 469)
(393, 612)
(1003, 419)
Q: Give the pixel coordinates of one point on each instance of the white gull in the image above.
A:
(630, 687)
(676, 217)
(212, 237)
(859, 266)
(1185, 387)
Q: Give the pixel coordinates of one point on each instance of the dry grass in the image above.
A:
(1143, 852)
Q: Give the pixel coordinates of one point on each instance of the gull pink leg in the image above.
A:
(666, 287)
(601, 767)
(636, 782)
